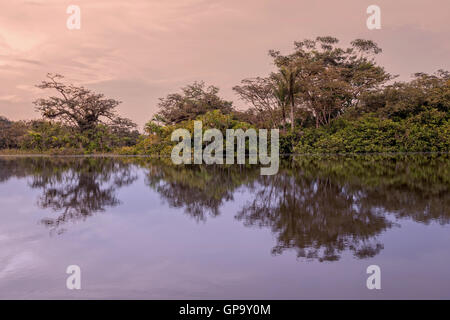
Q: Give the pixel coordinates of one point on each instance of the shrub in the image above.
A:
(425, 132)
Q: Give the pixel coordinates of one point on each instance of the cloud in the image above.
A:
(140, 50)
(10, 98)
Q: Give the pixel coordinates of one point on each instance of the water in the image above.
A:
(145, 229)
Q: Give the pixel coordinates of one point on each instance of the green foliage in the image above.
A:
(287, 142)
(158, 141)
(196, 99)
(43, 136)
(405, 99)
(426, 132)
(11, 133)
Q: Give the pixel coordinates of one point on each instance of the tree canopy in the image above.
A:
(194, 100)
(79, 106)
(319, 79)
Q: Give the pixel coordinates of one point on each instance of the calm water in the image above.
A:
(144, 229)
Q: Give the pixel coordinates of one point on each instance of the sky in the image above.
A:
(137, 51)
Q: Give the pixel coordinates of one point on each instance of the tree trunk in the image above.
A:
(292, 113)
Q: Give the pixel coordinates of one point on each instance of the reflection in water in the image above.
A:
(324, 206)
(320, 207)
(316, 216)
(200, 190)
(75, 188)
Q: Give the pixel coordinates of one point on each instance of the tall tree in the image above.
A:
(327, 79)
(288, 74)
(79, 107)
(281, 93)
(266, 96)
(196, 99)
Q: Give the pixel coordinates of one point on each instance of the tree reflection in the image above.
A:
(320, 207)
(324, 206)
(318, 218)
(75, 188)
(199, 190)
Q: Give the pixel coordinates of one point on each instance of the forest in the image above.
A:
(323, 98)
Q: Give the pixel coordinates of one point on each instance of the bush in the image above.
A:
(44, 135)
(428, 131)
(126, 151)
(158, 140)
(425, 132)
(287, 142)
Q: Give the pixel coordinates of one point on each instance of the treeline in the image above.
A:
(76, 121)
(323, 98)
(44, 135)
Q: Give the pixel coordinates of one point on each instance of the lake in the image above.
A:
(142, 228)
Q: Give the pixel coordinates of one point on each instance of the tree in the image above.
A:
(288, 81)
(11, 133)
(79, 107)
(405, 99)
(280, 92)
(266, 96)
(5, 126)
(326, 79)
(196, 99)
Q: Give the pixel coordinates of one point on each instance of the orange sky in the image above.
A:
(139, 50)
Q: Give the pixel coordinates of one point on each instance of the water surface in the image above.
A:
(146, 229)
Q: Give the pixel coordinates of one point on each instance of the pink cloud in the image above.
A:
(138, 51)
